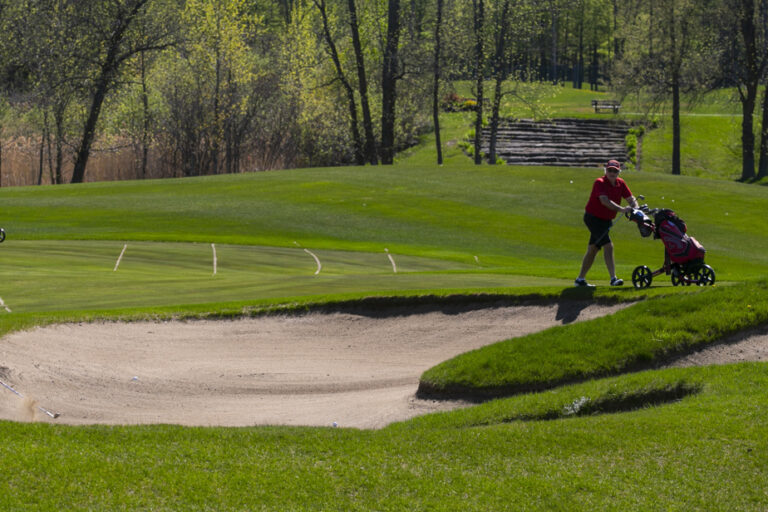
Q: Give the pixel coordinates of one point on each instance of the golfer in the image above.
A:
(603, 205)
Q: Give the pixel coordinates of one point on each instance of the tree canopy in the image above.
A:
(211, 86)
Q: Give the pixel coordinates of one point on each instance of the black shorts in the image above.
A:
(598, 229)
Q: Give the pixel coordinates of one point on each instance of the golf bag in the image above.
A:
(681, 247)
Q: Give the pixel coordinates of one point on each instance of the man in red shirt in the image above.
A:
(603, 205)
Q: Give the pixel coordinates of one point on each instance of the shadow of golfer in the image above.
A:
(572, 302)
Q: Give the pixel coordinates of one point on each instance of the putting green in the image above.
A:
(50, 275)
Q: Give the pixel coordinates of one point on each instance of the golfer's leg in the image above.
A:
(609, 263)
(589, 258)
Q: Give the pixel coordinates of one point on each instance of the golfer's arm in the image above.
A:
(613, 206)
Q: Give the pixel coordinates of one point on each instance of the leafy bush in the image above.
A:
(453, 102)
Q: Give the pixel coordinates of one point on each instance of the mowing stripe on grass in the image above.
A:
(117, 264)
(215, 261)
(4, 306)
(391, 260)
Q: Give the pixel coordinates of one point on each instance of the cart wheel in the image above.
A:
(2, 235)
(675, 277)
(705, 275)
(642, 277)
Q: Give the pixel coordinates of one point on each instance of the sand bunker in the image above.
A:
(356, 370)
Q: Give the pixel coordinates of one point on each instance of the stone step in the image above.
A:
(564, 139)
(560, 142)
(574, 132)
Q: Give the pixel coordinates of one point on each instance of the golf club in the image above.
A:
(46, 411)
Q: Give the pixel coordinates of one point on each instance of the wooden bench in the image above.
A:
(606, 105)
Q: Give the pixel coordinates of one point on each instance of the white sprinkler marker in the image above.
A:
(391, 260)
(117, 264)
(2, 304)
(317, 260)
(215, 260)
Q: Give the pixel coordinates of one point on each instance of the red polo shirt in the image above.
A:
(603, 187)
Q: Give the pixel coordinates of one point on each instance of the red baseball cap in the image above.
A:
(613, 164)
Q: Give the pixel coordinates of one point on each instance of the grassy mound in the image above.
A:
(641, 336)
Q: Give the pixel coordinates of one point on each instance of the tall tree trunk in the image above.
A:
(616, 47)
(369, 149)
(89, 130)
(499, 71)
(146, 120)
(109, 69)
(676, 123)
(580, 61)
(351, 102)
(748, 97)
(496, 107)
(436, 83)
(58, 117)
(479, 22)
(46, 139)
(553, 9)
(748, 134)
(389, 83)
(216, 139)
(593, 68)
(41, 159)
(762, 170)
(676, 66)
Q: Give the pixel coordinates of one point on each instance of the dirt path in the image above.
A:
(317, 369)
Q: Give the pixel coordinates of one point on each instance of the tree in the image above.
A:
(109, 42)
(500, 73)
(362, 83)
(436, 82)
(749, 57)
(748, 60)
(667, 56)
(350, 92)
(478, 10)
(41, 50)
(389, 77)
(210, 86)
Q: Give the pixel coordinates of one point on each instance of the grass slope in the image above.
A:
(640, 336)
(471, 227)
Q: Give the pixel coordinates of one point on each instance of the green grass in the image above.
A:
(640, 336)
(704, 452)
(676, 439)
(516, 221)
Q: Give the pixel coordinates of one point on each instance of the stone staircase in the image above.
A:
(559, 142)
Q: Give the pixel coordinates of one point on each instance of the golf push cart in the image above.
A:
(683, 254)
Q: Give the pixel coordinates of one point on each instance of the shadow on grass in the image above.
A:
(570, 303)
(622, 402)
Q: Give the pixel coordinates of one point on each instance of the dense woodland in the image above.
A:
(200, 87)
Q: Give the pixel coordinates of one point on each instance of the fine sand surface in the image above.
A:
(355, 370)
